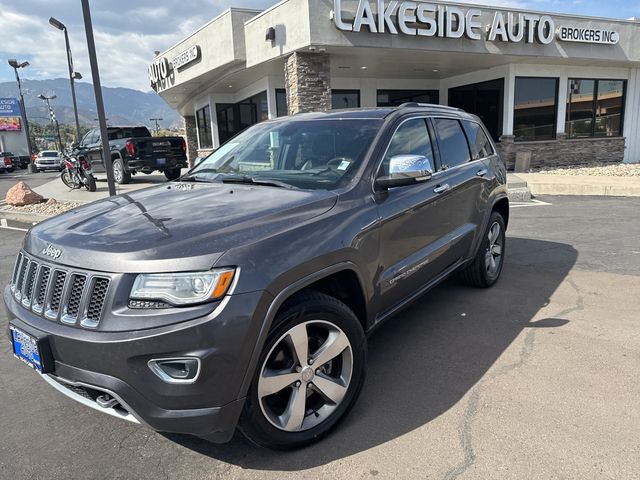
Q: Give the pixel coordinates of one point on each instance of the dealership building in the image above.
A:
(561, 89)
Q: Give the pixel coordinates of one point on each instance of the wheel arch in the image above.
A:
(320, 281)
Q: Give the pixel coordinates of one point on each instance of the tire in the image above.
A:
(120, 175)
(269, 417)
(10, 170)
(481, 272)
(172, 174)
(66, 178)
(90, 182)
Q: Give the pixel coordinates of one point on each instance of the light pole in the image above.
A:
(13, 63)
(72, 75)
(53, 117)
(157, 126)
(91, 46)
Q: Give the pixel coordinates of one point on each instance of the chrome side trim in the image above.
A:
(91, 404)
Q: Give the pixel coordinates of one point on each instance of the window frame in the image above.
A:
(594, 105)
(555, 110)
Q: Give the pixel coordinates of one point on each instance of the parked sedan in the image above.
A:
(49, 160)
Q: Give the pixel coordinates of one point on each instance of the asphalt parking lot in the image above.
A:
(537, 377)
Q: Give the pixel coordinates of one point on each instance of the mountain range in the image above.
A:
(123, 106)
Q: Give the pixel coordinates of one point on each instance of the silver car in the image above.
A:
(49, 160)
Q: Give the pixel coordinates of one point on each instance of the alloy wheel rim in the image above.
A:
(305, 376)
(493, 255)
(117, 172)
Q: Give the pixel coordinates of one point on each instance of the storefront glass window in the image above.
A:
(233, 118)
(345, 99)
(536, 107)
(594, 108)
(281, 102)
(394, 98)
(203, 123)
(484, 100)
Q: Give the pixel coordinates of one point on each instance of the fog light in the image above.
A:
(176, 370)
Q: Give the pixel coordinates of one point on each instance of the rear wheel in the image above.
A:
(309, 375)
(486, 266)
(120, 175)
(172, 174)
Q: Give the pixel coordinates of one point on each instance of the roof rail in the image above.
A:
(430, 105)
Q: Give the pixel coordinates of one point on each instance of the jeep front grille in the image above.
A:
(59, 294)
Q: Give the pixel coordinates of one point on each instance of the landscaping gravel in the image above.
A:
(601, 170)
(48, 208)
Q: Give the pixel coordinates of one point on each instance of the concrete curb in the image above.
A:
(22, 217)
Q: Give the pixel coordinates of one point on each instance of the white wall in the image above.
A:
(632, 117)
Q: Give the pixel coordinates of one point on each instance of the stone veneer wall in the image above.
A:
(192, 138)
(308, 82)
(563, 151)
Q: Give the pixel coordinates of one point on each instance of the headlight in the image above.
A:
(182, 288)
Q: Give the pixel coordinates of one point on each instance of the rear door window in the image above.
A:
(480, 145)
(452, 142)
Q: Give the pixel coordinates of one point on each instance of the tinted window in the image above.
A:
(281, 102)
(394, 98)
(480, 145)
(536, 103)
(454, 149)
(203, 125)
(411, 138)
(128, 132)
(594, 108)
(89, 138)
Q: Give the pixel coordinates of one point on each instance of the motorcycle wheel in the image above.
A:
(89, 182)
(67, 178)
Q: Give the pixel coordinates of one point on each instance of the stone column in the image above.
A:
(308, 82)
(192, 138)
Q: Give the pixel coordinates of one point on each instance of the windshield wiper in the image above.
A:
(246, 179)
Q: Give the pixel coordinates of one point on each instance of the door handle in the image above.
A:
(441, 188)
(482, 172)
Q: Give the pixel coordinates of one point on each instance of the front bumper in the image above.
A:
(48, 166)
(116, 363)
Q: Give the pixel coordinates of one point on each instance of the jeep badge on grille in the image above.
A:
(51, 251)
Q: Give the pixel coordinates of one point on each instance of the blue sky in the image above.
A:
(128, 31)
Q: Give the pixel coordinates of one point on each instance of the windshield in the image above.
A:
(49, 154)
(307, 154)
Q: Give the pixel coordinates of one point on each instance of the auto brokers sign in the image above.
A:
(425, 19)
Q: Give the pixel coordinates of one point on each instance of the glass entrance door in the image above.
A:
(484, 100)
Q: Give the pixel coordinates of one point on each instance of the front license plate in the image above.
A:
(162, 161)
(26, 348)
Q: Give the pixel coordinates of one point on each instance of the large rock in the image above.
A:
(21, 194)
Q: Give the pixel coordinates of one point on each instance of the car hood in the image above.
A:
(173, 227)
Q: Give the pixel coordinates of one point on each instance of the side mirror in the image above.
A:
(406, 170)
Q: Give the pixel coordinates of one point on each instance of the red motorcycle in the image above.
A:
(77, 174)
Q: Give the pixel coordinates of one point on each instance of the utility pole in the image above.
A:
(157, 125)
(53, 118)
(91, 46)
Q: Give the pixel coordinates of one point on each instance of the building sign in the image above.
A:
(159, 72)
(186, 57)
(587, 35)
(423, 19)
(10, 116)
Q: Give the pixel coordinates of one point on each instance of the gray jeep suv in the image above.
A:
(241, 295)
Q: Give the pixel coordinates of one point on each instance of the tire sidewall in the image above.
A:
(253, 423)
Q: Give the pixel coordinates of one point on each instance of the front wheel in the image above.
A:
(486, 266)
(67, 178)
(172, 174)
(309, 375)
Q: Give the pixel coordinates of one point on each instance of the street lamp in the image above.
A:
(72, 75)
(13, 63)
(53, 117)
